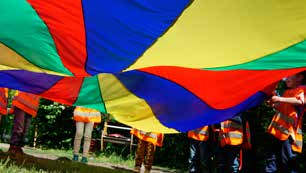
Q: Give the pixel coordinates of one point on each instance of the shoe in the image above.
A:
(16, 153)
(84, 160)
(15, 150)
(136, 169)
(147, 171)
(75, 157)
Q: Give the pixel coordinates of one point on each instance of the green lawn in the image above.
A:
(29, 163)
(5, 168)
(51, 160)
(37, 160)
(93, 158)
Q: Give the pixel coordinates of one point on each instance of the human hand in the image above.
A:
(275, 99)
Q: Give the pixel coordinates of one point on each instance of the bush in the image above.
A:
(174, 153)
(54, 125)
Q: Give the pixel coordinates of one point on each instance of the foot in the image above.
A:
(15, 150)
(84, 160)
(75, 157)
(16, 153)
(137, 169)
(147, 170)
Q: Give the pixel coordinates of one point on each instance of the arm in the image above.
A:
(299, 100)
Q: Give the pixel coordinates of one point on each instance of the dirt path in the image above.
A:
(47, 156)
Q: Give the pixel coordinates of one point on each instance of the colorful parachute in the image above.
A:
(157, 65)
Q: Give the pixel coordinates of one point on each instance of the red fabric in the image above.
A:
(3, 101)
(222, 89)
(63, 91)
(65, 22)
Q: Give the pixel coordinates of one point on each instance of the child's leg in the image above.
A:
(194, 155)
(140, 153)
(231, 159)
(288, 158)
(27, 124)
(78, 137)
(206, 152)
(149, 156)
(272, 154)
(87, 138)
(18, 128)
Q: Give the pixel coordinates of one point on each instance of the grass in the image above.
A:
(5, 168)
(93, 158)
(56, 161)
(53, 160)
(115, 159)
(29, 163)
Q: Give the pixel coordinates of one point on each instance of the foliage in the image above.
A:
(174, 153)
(54, 126)
(7, 121)
(5, 128)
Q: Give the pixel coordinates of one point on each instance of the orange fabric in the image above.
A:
(200, 134)
(3, 101)
(231, 133)
(86, 115)
(298, 142)
(95, 119)
(287, 120)
(27, 102)
(152, 137)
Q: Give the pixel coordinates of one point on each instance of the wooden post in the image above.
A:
(104, 132)
(35, 135)
(131, 144)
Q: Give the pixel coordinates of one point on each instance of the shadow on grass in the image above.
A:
(61, 164)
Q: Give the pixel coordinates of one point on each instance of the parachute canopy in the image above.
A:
(162, 66)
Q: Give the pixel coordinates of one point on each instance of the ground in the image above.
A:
(51, 161)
